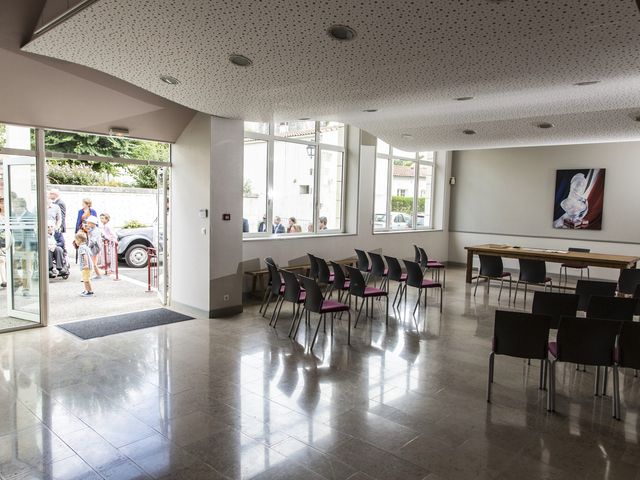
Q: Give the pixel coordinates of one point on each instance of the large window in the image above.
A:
(403, 189)
(293, 178)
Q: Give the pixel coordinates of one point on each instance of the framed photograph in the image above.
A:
(579, 197)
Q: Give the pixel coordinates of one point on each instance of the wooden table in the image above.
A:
(603, 260)
(260, 274)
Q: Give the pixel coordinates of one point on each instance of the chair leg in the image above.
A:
(359, 311)
(596, 388)
(492, 357)
(315, 336)
(349, 329)
(501, 285)
(264, 313)
(296, 312)
(387, 312)
(477, 282)
(417, 302)
(510, 282)
(397, 291)
(279, 301)
(605, 380)
(264, 299)
(551, 392)
(441, 289)
(515, 294)
(541, 384)
(524, 305)
(616, 393)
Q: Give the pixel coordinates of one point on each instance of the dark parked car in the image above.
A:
(133, 243)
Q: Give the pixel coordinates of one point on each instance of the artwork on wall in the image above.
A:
(579, 199)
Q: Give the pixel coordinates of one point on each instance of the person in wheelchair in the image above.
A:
(57, 252)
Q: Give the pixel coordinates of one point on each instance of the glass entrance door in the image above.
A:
(21, 237)
(161, 234)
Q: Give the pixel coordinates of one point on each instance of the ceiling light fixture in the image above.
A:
(118, 131)
(342, 33)
(407, 136)
(370, 110)
(304, 119)
(240, 60)
(637, 118)
(545, 125)
(469, 132)
(169, 80)
(463, 99)
(588, 82)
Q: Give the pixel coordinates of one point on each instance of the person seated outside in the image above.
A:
(55, 245)
(322, 223)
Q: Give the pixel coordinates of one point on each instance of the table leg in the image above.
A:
(469, 265)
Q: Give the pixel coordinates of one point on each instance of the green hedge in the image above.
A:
(405, 204)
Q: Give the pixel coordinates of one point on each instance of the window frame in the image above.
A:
(271, 138)
(417, 163)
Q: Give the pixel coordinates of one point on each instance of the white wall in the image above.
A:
(285, 250)
(506, 196)
(190, 192)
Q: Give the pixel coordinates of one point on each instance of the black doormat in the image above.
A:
(103, 326)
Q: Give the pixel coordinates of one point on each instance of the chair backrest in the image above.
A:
(339, 278)
(491, 266)
(363, 260)
(629, 280)
(416, 252)
(395, 269)
(357, 284)
(532, 271)
(268, 261)
(313, 266)
(587, 288)
(424, 258)
(324, 274)
(274, 278)
(522, 335)
(556, 305)
(377, 264)
(579, 250)
(628, 342)
(313, 299)
(611, 308)
(587, 341)
(636, 295)
(414, 274)
(291, 286)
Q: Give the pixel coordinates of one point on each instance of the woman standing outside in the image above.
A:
(85, 212)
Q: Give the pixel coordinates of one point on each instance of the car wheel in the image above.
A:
(136, 256)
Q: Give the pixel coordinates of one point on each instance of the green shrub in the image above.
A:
(66, 174)
(144, 176)
(134, 224)
(405, 204)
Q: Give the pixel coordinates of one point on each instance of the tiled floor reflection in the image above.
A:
(234, 398)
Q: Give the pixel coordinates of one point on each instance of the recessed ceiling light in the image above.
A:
(304, 119)
(342, 32)
(240, 60)
(588, 82)
(545, 125)
(637, 118)
(407, 136)
(469, 132)
(169, 80)
(463, 99)
(370, 110)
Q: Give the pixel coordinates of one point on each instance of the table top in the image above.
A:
(595, 259)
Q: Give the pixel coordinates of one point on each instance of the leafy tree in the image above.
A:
(145, 176)
(3, 135)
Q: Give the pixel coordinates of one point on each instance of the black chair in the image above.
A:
(636, 295)
(491, 268)
(340, 281)
(628, 281)
(586, 288)
(313, 266)
(378, 269)
(363, 261)
(611, 308)
(628, 356)
(358, 288)
(316, 303)
(292, 293)
(435, 265)
(556, 305)
(416, 279)
(267, 261)
(416, 254)
(520, 335)
(575, 265)
(324, 277)
(583, 341)
(395, 274)
(532, 272)
(276, 286)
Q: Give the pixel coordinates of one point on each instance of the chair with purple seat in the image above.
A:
(415, 278)
(362, 262)
(396, 274)
(291, 293)
(325, 277)
(532, 272)
(575, 265)
(340, 281)
(316, 303)
(358, 288)
(491, 268)
(276, 286)
(378, 269)
(267, 290)
(433, 265)
(313, 266)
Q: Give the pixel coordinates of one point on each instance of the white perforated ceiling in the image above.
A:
(519, 60)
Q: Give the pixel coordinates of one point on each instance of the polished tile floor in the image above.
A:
(234, 398)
